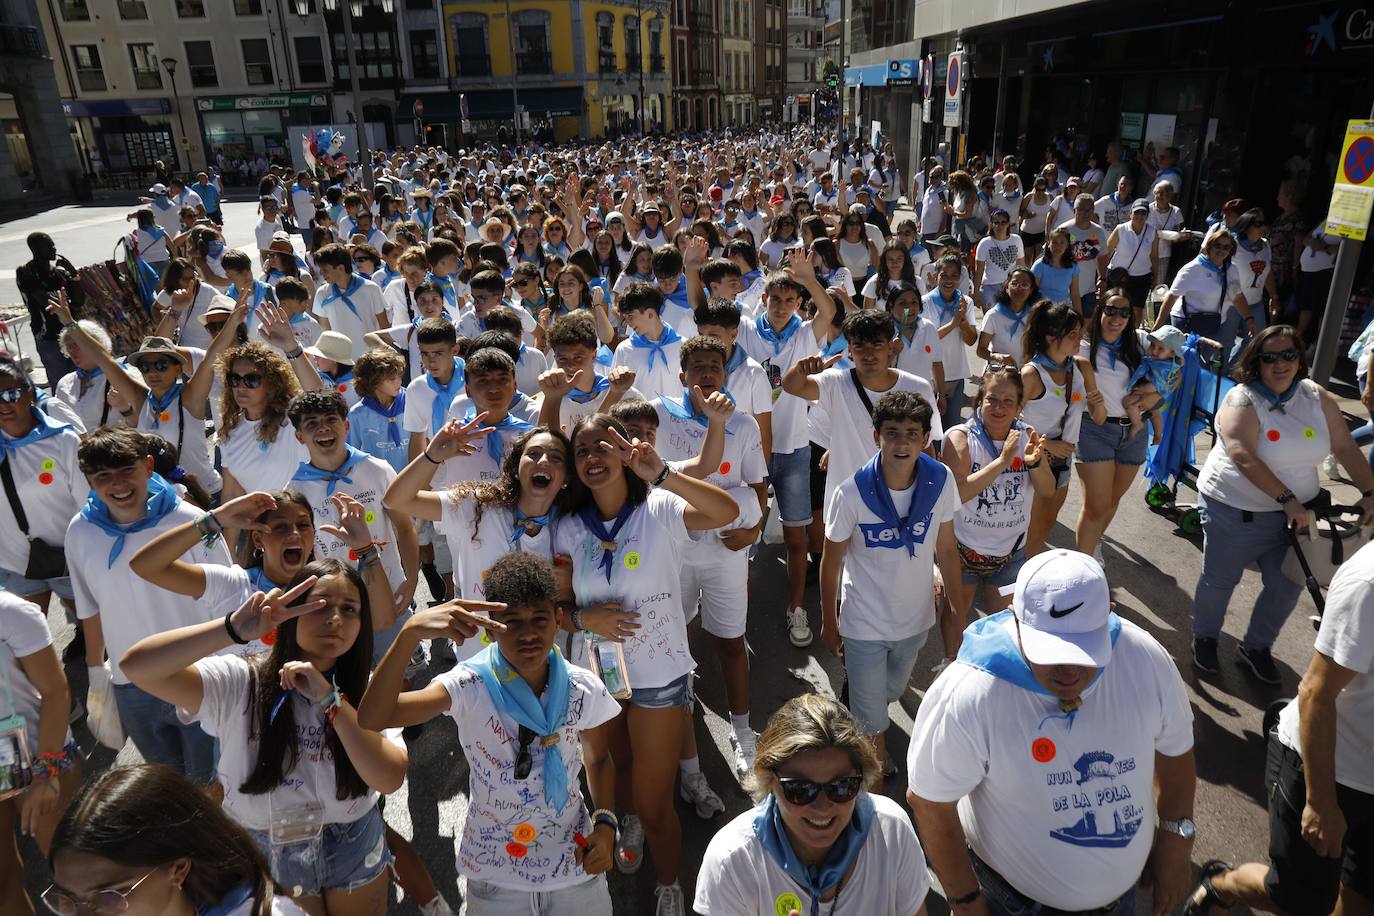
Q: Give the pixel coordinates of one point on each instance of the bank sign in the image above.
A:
(258, 102)
(1341, 29)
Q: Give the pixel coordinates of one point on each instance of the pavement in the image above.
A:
(1152, 565)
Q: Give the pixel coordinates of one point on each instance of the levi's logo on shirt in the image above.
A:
(883, 535)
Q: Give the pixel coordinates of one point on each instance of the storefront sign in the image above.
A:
(250, 102)
(903, 72)
(954, 90)
(1353, 194)
(1132, 125)
(115, 108)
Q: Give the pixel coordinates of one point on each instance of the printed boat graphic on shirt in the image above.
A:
(1098, 791)
(1085, 832)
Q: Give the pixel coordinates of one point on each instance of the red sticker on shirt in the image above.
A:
(1043, 750)
(725, 467)
(1272, 435)
(928, 348)
(45, 478)
(353, 555)
(1077, 396)
(269, 638)
(166, 416)
(1016, 463)
(343, 389)
(516, 850)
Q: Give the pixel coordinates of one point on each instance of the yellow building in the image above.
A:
(581, 69)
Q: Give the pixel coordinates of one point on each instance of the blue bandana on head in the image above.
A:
(162, 500)
(816, 880)
(544, 715)
(656, 347)
(352, 458)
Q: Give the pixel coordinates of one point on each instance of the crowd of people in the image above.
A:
(567, 389)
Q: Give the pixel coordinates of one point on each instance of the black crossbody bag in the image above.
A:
(45, 560)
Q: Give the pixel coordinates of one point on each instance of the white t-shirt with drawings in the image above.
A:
(511, 837)
(225, 682)
(645, 578)
(1064, 812)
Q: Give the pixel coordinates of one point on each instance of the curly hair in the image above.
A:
(376, 366)
(276, 375)
(504, 491)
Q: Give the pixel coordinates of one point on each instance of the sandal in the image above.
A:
(1210, 898)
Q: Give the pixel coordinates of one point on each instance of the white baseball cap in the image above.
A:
(1061, 601)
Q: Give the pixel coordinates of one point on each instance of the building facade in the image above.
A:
(770, 57)
(503, 56)
(737, 60)
(805, 51)
(39, 152)
(697, 91)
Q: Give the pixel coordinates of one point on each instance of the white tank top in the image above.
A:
(1111, 380)
(1058, 412)
(1132, 250)
(992, 522)
(1292, 442)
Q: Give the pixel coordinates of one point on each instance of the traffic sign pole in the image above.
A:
(1342, 278)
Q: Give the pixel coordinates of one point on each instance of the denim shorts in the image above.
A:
(345, 856)
(790, 475)
(16, 584)
(1004, 576)
(1112, 442)
(590, 898)
(878, 671)
(676, 693)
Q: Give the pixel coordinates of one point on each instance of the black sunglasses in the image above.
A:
(247, 380)
(156, 365)
(1116, 311)
(1287, 356)
(523, 760)
(803, 792)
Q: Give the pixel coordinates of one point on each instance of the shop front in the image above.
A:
(245, 128)
(131, 135)
(556, 114)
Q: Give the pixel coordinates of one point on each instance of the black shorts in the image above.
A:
(1032, 238)
(817, 479)
(1301, 882)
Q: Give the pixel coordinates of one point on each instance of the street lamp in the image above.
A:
(351, 9)
(170, 65)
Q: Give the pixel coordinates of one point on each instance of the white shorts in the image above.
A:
(720, 578)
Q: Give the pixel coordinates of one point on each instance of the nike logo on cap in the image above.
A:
(1056, 613)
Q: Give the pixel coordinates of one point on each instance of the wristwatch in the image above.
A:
(1184, 827)
(1285, 497)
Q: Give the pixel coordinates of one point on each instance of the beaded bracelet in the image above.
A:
(47, 765)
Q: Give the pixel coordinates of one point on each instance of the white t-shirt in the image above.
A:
(51, 489)
(492, 541)
(570, 411)
(644, 577)
(367, 300)
(1310, 261)
(772, 250)
(1086, 244)
(264, 231)
(1254, 267)
(998, 256)
(1065, 814)
(1111, 379)
(789, 411)
(662, 378)
(91, 407)
(257, 464)
(851, 426)
(177, 426)
(885, 593)
(1003, 340)
(130, 608)
(531, 364)
(737, 878)
(1057, 413)
(920, 354)
(1347, 638)
(1034, 221)
(191, 332)
(370, 478)
(993, 522)
(23, 631)
(1201, 289)
(507, 815)
(748, 385)
(225, 681)
(953, 350)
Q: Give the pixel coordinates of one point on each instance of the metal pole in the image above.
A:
(514, 91)
(643, 47)
(1337, 301)
(364, 156)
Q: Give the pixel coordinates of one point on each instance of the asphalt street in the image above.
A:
(1151, 564)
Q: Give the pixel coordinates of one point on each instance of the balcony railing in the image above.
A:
(606, 60)
(474, 65)
(22, 40)
(534, 62)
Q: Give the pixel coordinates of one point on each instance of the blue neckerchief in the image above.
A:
(257, 577)
(300, 317)
(230, 902)
(523, 258)
(679, 295)
(838, 346)
(444, 395)
(599, 386)
(544, 715)
(750, 278)
(424, 217)
(44, 427)
(336, 212)
(162, 203)
(214, 249)
(990, 646)
(873, 490)
(160, 404)
(388, 274)
(750, 214)
(1016, 318)
(260, 293)
(945, 309)
(1043, 359)
(686, 410)
(777, 338)
(1252, 247)
(604, 356)
(355, 283)
(352, 457)
(1203, 261)
(656, 347)
(156, 231)
(446, 284)
(1113, 350)
(87, 374)
(1275, 401)
(337, 379)
(392, 414)
(521, 520)
(737, 358)
(162, 499)
(976, 429)
(816, 880)
(496, 443)
(597, 527)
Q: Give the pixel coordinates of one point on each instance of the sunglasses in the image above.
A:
(803, 792)
(1116, 311)
(247, 380)
(1288, 356)
(157, 365)
(12, 395)
(100, 903)
(524, 762)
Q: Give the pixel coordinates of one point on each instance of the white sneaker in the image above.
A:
(436, 907)
(1097, 555)
(629, 849)
(696, 792)
(1330, 468)
(670, 901)
(743, 746)
(798, 629)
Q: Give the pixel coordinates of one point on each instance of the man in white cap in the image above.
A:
(1035, 756)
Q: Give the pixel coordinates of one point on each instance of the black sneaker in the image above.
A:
(1205, 655)
(1261, 665)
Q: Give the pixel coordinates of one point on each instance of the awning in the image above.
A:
(871, 75)
(494, 104)
(115, 108)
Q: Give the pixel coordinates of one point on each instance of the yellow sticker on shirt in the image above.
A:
(369, 517)
(49, 465)
(786, 903)
(632, 560)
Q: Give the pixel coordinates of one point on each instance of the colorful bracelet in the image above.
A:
(47, 765)
(331, 703)
(210, 529)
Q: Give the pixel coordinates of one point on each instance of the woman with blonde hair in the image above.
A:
(817, 836)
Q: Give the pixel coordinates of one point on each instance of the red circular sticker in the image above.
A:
(1077, 396)
(269, 638)
(45, 478)
(353, 555)
(928, 348)
(1016, 463)
(166, 416)
(725, 467)
(1272, 435)
(516, 850)
(1043, 750)
(343, 389)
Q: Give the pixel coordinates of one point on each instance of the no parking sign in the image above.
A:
(1353, 194)
(954, 90)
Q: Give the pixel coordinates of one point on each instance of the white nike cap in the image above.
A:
(1061, 600)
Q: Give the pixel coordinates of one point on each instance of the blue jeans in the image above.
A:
(161, 737)
(1005, 900)
(790, 474)
(1231, 543)
(955, 399)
